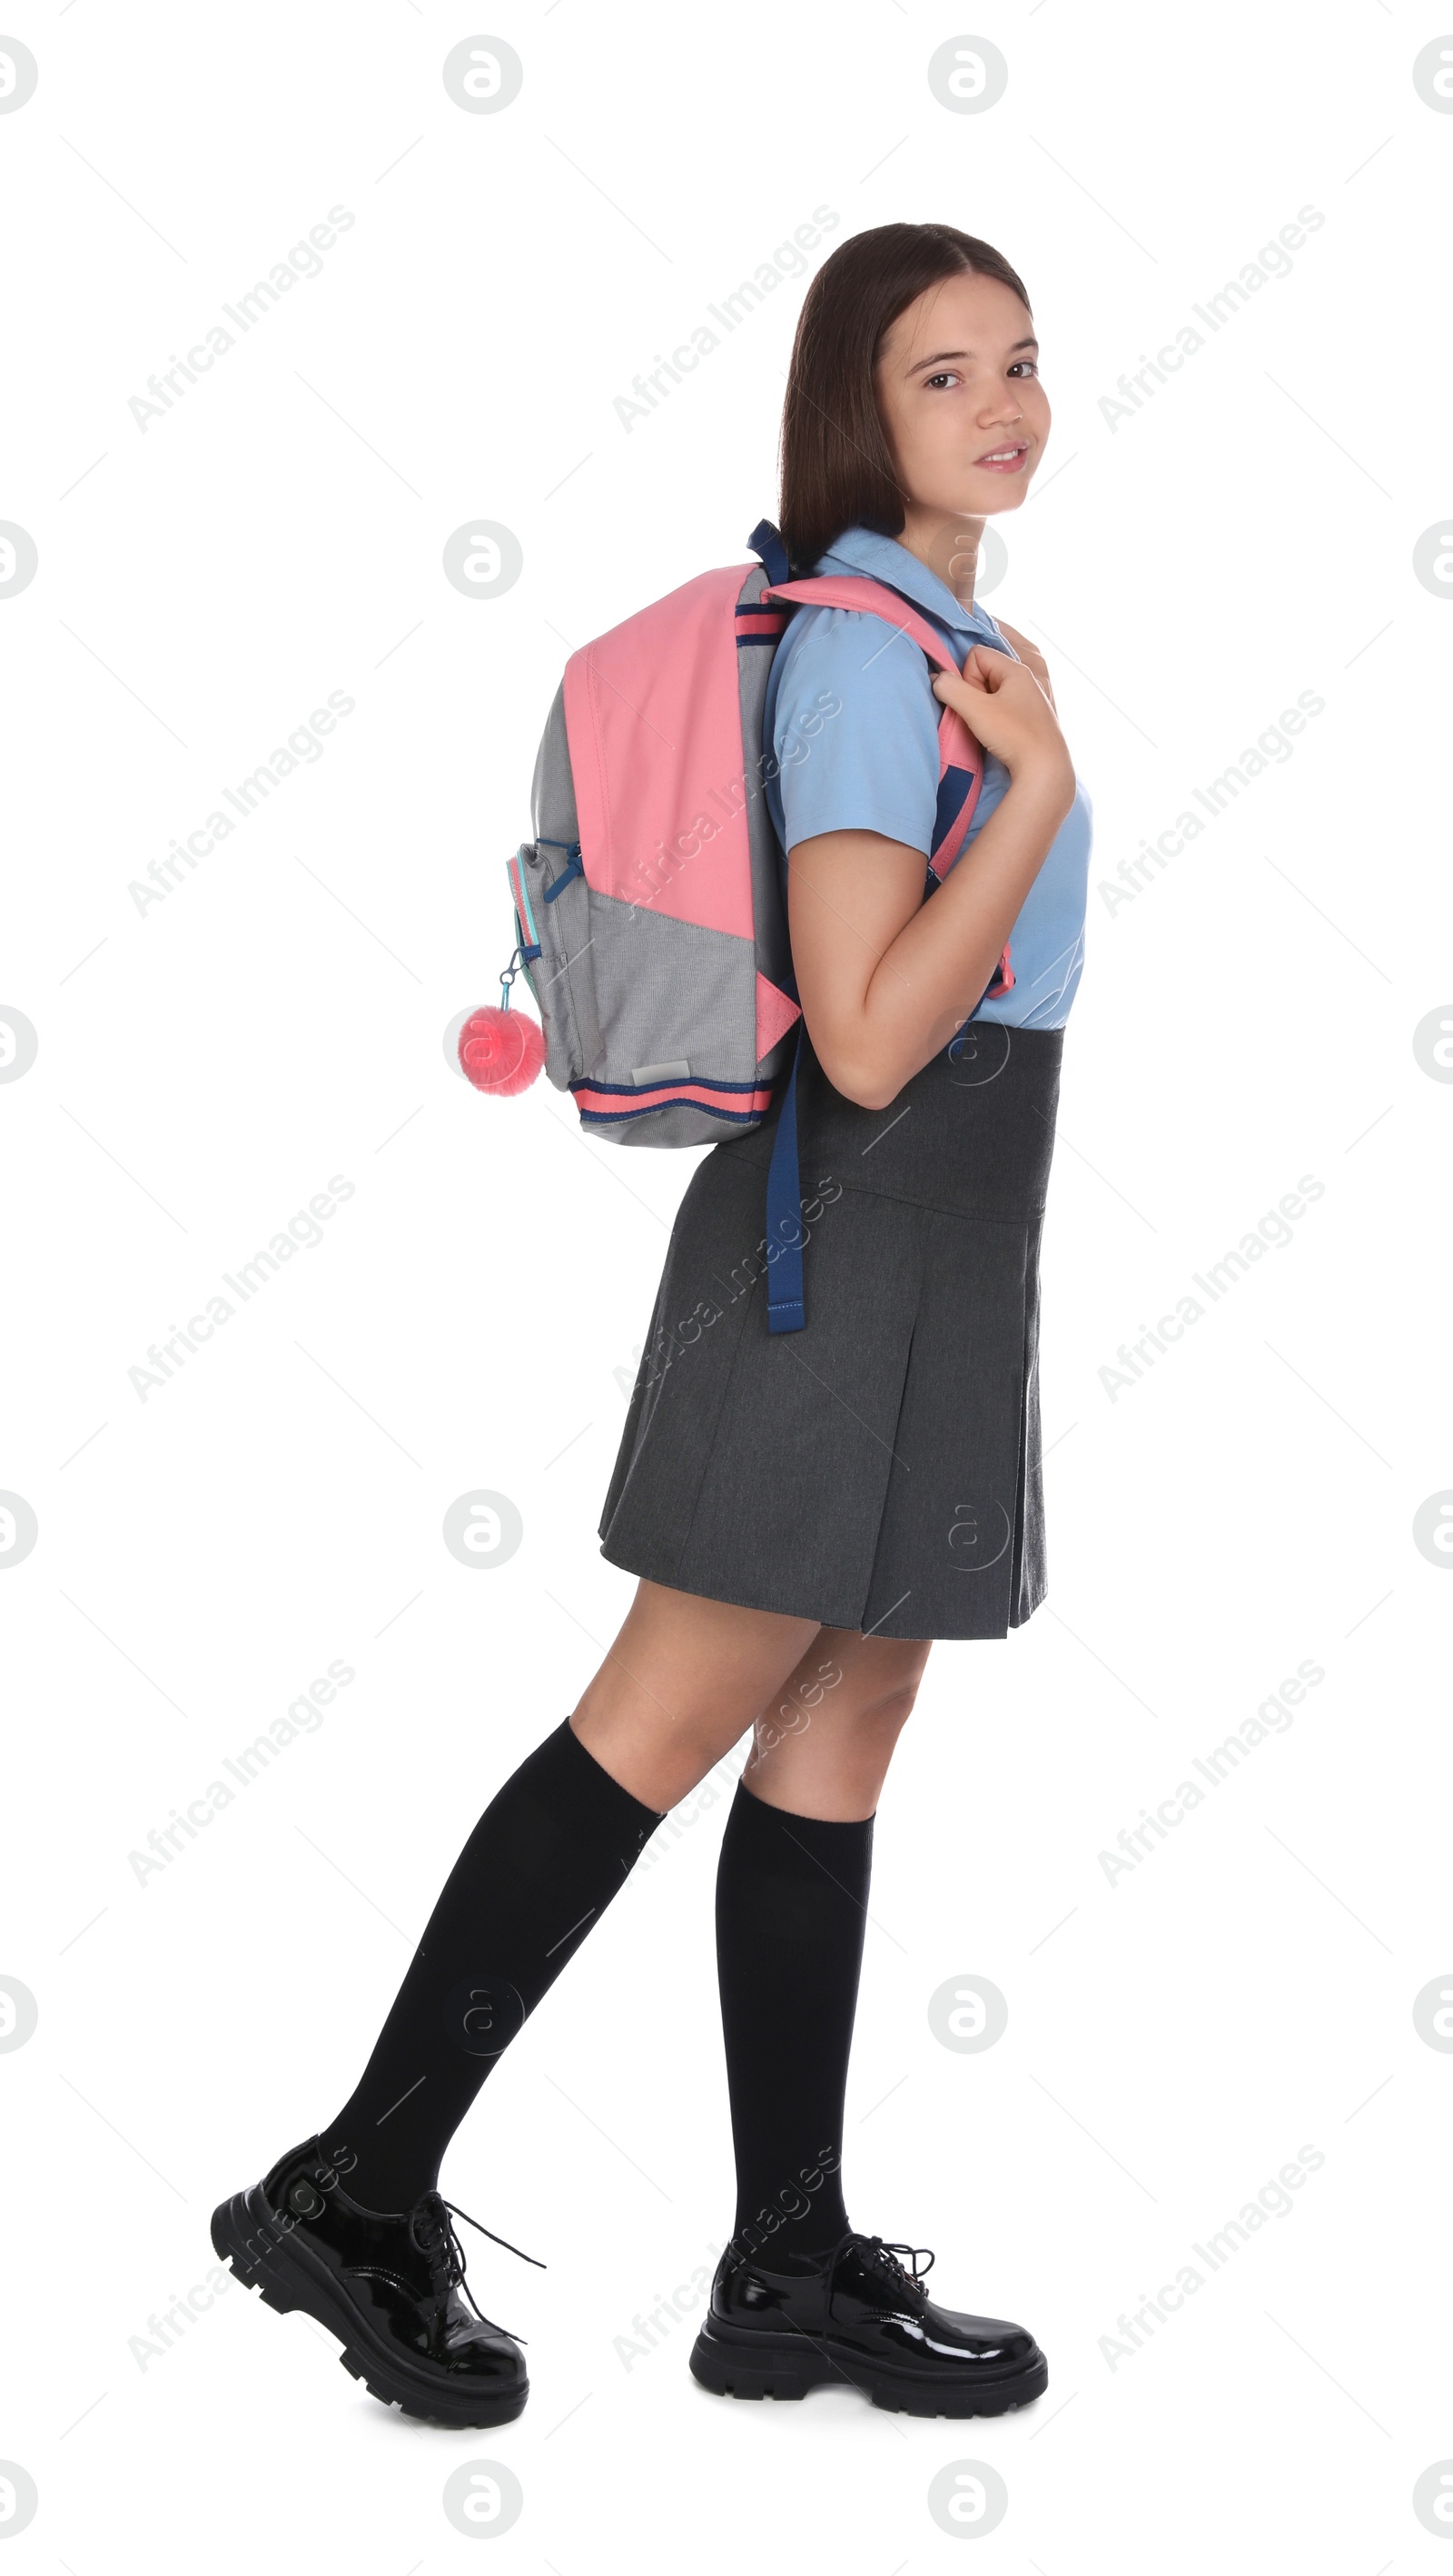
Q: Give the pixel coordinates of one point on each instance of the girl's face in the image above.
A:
(960, 399)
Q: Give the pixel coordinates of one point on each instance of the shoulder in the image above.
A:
(861, 660)
(854, 729)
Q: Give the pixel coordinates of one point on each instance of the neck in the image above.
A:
(948, 545)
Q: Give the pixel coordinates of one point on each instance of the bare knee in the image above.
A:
(682, 1683)
(880, 1718)
(891, 1709)
(832, 1728)
(883, 1677)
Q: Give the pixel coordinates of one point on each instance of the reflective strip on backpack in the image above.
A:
(740, 1104)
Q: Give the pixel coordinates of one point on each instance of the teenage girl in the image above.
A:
(805, 1512)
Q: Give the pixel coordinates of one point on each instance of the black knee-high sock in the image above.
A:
(791, 1907)
(536, 1874)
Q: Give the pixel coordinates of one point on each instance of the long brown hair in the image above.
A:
(836, 465)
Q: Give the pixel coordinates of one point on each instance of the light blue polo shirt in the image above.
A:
(873, 767)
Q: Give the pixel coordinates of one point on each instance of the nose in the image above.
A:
(1007, 410)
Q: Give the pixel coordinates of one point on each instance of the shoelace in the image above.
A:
(880, 2251)
(437, 2240)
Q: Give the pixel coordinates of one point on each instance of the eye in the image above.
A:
(1031, 363)
(946, 377)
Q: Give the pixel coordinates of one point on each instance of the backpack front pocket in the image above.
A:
(552, 910)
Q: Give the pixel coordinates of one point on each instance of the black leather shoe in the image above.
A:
(856, 2318)
(388, 2284)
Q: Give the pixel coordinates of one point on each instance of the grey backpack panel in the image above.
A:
(552, 798)
(678, 996)
(677, 993)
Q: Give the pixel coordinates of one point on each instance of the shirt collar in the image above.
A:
(862, 550)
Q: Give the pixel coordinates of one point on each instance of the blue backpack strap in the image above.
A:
(785, 1310)
(574, 867)
(767, 546)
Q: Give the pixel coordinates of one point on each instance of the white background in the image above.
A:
(470, 1318)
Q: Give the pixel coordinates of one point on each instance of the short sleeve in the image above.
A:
(854, 730)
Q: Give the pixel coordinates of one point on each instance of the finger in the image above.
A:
(964, 694)
(984, 671)
(986, 668)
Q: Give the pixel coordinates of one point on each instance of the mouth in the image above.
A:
(1009, 459)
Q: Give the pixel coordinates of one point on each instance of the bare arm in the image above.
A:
(884, 978)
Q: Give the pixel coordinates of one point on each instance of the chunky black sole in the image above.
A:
(736, 2364)
(281, 2265)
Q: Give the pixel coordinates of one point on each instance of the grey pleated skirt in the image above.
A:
(879, 1470)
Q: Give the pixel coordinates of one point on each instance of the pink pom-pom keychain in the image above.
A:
(502, 1050)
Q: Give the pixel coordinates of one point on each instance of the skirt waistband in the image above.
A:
(971, 1133)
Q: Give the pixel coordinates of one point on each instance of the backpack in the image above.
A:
(651, 906)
